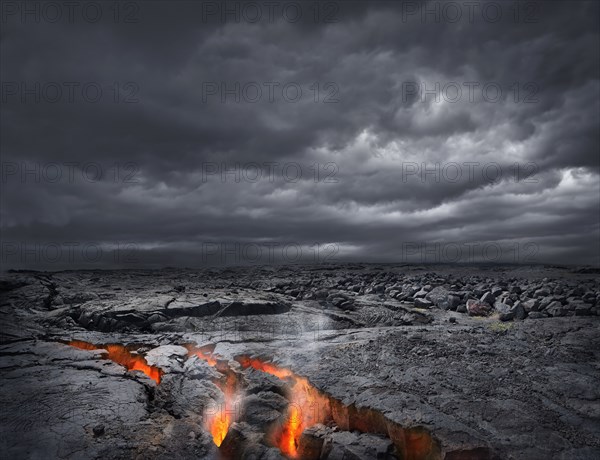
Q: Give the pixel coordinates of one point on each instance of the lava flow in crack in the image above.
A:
(120, 354)
(219, 419)
(307, 406)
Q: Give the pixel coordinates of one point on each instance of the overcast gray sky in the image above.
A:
(368, 131)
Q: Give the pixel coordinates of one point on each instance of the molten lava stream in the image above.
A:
(307, 406)
(121, 355)
(291, 432)
(218, 422)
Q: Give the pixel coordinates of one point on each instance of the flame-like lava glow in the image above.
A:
(218, 425)
(291, 432)
(204, 353)
(218, 422)
(121, 355)
(307, 405)
(219, 419)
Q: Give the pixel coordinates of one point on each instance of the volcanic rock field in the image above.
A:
(344, 361)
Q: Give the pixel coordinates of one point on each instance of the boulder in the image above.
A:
(497, 291)
(488, 297)
(505, 311)
(478, 308)
(442, 298)
(263, 410)
(518, 311)
(542, 292)
(531, 305)
(555, 308)
(421, 294)
(423, 303)
(536, 315)
(583, 309)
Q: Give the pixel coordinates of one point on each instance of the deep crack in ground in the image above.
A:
(306, 362)
(301, 429)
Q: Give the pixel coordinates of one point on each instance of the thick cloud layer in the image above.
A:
(373, 131)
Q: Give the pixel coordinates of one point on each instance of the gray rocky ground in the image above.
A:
(404, 361)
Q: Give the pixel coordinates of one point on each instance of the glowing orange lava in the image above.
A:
(307, 405)
(218, 422)
(219, 425)
(269, 368)
(204, 353)
(121, 355)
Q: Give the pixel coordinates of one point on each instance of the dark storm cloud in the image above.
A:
(408, 171)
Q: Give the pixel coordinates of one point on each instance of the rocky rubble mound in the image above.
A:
(509, 297)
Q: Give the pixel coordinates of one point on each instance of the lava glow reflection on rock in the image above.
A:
(218, 419)
(123, 356)
(307, 405)
(218, 424)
